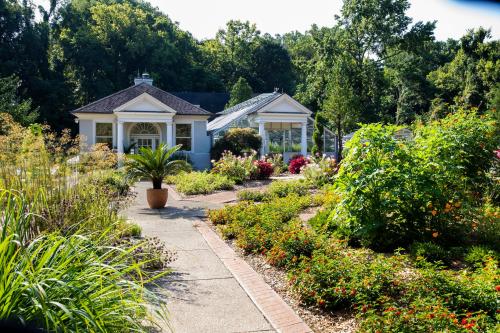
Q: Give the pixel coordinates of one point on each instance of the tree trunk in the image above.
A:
(339, 141)
(157, 183)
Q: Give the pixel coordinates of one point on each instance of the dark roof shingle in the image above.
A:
(111, 102)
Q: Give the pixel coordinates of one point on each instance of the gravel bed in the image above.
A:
(317, 319)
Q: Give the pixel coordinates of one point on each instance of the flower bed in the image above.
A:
(439, 283)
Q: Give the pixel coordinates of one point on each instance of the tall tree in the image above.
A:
(470, 78)
(240, 92)
(317, 136)
(272, 67)
(21, 110)
(104, 43)
(341, 105)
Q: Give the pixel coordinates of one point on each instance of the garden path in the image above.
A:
(202, 294)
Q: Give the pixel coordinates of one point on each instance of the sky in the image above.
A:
(203, 18)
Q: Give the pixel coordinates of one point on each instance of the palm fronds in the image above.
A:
(155, 164)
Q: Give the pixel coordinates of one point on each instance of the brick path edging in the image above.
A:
(280, 315)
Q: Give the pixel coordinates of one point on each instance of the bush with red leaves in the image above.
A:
(265, 169)
(296, 164)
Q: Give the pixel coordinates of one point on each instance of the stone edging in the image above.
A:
(277, 312)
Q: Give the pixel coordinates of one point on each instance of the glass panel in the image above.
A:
(183, 130)
(144, 128)
(185, 142)
(183, 136)
(103, 129)
(143, 142)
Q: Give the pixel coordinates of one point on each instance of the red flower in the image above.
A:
(431, 315)
(464, 321)
(497, 288)
(296, 164)
(265, 169)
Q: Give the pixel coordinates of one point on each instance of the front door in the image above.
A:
(145, 135)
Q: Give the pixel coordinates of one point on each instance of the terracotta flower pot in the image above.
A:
(157, 198)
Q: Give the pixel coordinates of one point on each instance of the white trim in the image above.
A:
(95, 116)
(144, 117)
(281, 118)
(301, 108)
(148, 98)
(180, 118)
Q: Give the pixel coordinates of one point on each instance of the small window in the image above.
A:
(104, 133)
(183, 136)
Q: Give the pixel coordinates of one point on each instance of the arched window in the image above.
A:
(145, 135)
(144, 129)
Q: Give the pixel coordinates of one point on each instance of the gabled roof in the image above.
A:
(111, 102)
(245, 108)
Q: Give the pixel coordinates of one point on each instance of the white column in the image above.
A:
(262, 133)
(119, 137)
(170, 136)
(303, 139)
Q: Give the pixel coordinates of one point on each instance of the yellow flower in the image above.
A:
(435, 234)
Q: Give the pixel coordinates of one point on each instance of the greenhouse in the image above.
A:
(285, 125)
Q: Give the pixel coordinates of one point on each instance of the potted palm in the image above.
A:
(156, 165)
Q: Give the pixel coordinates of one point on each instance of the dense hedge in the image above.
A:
(426, 189)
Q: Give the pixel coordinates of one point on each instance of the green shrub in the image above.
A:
(283, 188)
(253, 226)
(237, 141)
(200, 183)
(430, 251)
(290, 244)
(320, 171)
(253, 195)
(235, 167)
(115, 183)
(338, 277)
(131, 230)
(396, 192)
(423, 314)
(478, 255)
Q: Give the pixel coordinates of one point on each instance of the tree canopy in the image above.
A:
(373, 64)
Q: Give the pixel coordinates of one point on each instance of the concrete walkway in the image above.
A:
(202, 294)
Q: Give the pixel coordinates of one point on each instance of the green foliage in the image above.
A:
(155, 164)
(253, 226)
(283, 188)
(236, 168)
(238, 141)
(131, 230)
(200, 182)
(277, 189)
(479, 255)
(470, 78)
(317, 136)
(240, 92)
(395, 192)
(320, 171)
(69, 282)
(21, 111)
(291, 243)
(252, 195)
(429, 251)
